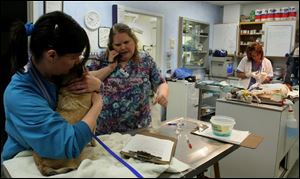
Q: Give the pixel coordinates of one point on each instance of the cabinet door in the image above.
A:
(280, 38)
(192, 101)
(193, 43)
(225, 37)
(177, 100)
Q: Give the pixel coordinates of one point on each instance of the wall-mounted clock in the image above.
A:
(92, 20)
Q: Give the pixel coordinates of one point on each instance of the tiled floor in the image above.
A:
(295, 171)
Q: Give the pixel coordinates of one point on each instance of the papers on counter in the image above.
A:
(236, 137)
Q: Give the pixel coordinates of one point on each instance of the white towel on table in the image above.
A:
(102, 165)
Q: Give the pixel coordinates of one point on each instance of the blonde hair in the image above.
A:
(123, 28)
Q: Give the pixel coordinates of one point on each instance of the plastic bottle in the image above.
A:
(291, 124)
(229, 69)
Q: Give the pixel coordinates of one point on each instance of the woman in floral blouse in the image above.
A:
(130, 77)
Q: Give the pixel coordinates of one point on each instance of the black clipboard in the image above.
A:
(147, 157)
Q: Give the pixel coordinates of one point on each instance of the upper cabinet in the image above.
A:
(250, 32)
(224, 37)
(276, 37)
(193, 43)
(279, 37)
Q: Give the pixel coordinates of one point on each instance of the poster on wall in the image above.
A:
(103, 35)
(50, 6)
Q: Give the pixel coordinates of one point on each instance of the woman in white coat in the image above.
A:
(255, 68)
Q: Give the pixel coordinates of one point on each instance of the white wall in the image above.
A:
(171, 11)
(231, 13)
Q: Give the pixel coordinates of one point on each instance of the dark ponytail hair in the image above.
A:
(18, 47)
(55, 30)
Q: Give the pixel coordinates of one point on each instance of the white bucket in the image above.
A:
(270, 14)
(292, 13)
(258, 15)
(264, 14)
(277, 14)
(285, 13)
(222, 125)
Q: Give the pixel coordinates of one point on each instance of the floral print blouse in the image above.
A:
(126, 94)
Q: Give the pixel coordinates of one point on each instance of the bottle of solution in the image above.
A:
(292, 126)
(229, 69)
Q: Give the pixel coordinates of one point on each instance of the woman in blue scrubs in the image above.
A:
(57, 43)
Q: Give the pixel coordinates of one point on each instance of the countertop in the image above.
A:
(256, 105)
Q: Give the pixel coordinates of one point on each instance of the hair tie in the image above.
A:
(29, 28)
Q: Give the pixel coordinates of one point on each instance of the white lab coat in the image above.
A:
(246, 66)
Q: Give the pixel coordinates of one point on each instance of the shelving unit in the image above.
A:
(208, 94)
(249, 32)
(193, 43)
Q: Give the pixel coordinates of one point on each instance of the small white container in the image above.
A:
(285, 13)
(222, 125)
(258, 15)
(292, 13)
(277, 14)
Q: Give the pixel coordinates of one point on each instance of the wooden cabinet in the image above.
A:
(193, 43)
(249, 32)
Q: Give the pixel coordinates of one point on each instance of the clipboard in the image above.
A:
(146, 156)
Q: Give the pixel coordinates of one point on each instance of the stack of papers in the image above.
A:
(236, 137)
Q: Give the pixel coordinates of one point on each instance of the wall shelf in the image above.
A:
(249, 32)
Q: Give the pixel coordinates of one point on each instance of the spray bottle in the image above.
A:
(292, 127)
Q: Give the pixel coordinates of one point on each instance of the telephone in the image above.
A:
(118, 57)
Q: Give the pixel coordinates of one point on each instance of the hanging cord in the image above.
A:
(136, 173)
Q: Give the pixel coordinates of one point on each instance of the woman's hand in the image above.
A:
(88, 83)
(92, 115)
(161, 96)
(111, 56)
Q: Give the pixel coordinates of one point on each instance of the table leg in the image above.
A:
(199, 104)
(217, 170)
